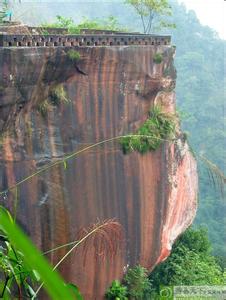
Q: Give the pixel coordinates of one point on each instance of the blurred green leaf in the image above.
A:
(53, 282)
(75, 290)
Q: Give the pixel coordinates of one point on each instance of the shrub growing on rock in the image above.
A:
(73, 55)
(157, 58)
(158, 127)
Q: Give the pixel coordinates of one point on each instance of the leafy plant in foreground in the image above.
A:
(22, 259)
(23, 267)
(16, 275)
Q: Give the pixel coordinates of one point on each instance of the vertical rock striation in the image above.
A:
(107, 93)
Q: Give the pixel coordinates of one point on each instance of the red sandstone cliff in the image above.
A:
(111, 90)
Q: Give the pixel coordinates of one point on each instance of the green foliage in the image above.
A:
(158, 58)
(109, 23)
(211, 214)
(43, 108)
(62, 22)
(21, 263)
(190, 263)
(87, 24)
(116, 291)
(58, 95)
(200, 68)
(73, 55)
(158, 127)
(138, 284)
(148, 10)
(195, 240)
(15, 271)
(4, 6)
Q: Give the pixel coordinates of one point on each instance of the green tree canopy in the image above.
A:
(109, 23)
(149, 10)
(190, 263)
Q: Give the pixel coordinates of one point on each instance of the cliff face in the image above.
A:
(109, 92)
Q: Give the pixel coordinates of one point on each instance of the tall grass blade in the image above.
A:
(216, 176)
(106, 237)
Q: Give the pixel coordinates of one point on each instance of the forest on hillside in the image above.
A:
(200, 68)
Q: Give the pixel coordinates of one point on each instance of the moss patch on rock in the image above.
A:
(73, 55)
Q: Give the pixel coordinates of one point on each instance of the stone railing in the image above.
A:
(51, 40)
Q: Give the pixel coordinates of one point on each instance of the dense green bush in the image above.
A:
(109, 23)
(116, 291)
(138, 284)
(158, 127)
(190, 263)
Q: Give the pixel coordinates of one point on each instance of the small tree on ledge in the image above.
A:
(149, 10)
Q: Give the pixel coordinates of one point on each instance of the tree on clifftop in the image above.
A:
(6, 10)
(3, 10)
(151, 10)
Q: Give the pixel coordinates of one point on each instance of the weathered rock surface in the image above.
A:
(111, 90)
